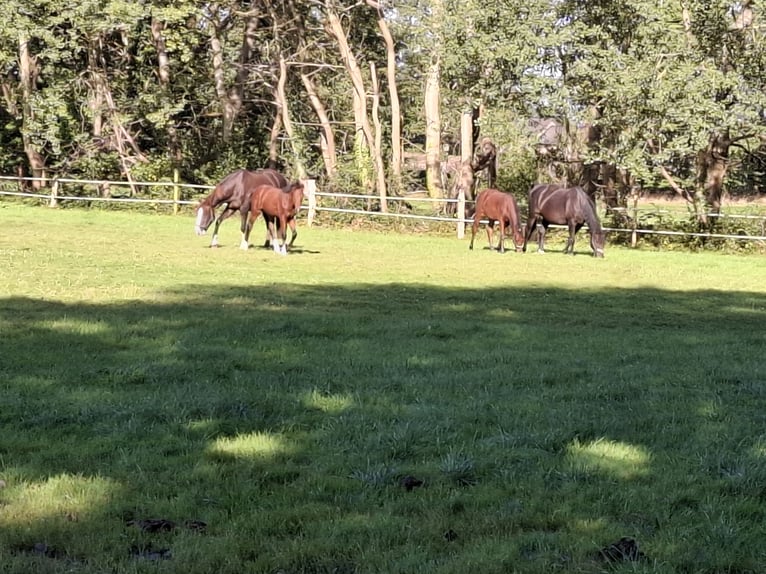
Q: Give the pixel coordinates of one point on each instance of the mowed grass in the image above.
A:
(550, 405)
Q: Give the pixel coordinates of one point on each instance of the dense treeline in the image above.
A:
(616, 96)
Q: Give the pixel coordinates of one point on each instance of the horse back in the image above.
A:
(557, 204)
(236, 189)
(495, 204)
(276, 200)
(253, 179)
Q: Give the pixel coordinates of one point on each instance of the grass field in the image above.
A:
(165, 407)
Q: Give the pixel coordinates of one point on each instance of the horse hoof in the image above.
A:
(541, 251)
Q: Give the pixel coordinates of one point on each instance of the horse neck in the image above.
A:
(296, 197)
(291, 198)
(589, 211)
(213, 200)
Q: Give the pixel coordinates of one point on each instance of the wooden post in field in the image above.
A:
(310, 187)
(176, 192)
(54, 193)
(634, 234)
(466, 154)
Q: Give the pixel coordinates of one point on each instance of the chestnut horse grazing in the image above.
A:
(280, 206)
(234, 191)
(498, 206)
(570, 206)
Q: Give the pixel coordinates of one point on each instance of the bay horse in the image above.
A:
(279, 206)
(234, 192)
(570, 206)
(498, 206)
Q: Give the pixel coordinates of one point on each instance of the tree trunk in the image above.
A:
(219, 80)
(349, 61)
(28, 77)
(592, 140)
(378, 135)
(433, 131)
(97, 89)
(274, 137)
(163, 75)
(295, 143)
(393, 94)
(327, 137)
(230, 99)
(236, 93)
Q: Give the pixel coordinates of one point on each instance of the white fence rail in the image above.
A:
(54, 193)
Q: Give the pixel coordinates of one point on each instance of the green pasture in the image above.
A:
(377, 401)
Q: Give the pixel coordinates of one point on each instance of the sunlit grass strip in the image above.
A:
(62, 497)
(249, 446)
(331, 404)
(615, 459)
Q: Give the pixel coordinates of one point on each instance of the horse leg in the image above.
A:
(214, 239)
(280, 246)
(541, 229)
(253, 217)
(244, 228)
(573, 229)
(528, 233)
(276, 232)
(490, 233)
(570, 240)
(473, 230)
(225, 214)
(293, 233)
(248, 228)
(270, 232)
(501, 245)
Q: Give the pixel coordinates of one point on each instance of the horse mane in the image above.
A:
(207, 200)
(292, 186)
(588, 208)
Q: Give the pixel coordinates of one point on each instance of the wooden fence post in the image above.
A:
(54, 193)
(466, 154)
(176, 192)
(634, 233)
(311, 192)
(461, 213)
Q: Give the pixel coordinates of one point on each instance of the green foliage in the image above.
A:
(659, 79)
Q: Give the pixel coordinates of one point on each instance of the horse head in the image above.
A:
(297, 192)
(597, 242)
(518, 238)
(205, 216)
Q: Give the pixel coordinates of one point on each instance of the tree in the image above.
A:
(360, 98)
(671, 86)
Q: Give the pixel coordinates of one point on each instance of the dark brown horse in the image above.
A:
(234, 191)
(570, 206)
(279, 207)
(498, 206)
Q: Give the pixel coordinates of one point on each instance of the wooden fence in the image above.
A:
(180, 194)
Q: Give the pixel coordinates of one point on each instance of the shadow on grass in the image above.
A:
(284, 413)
